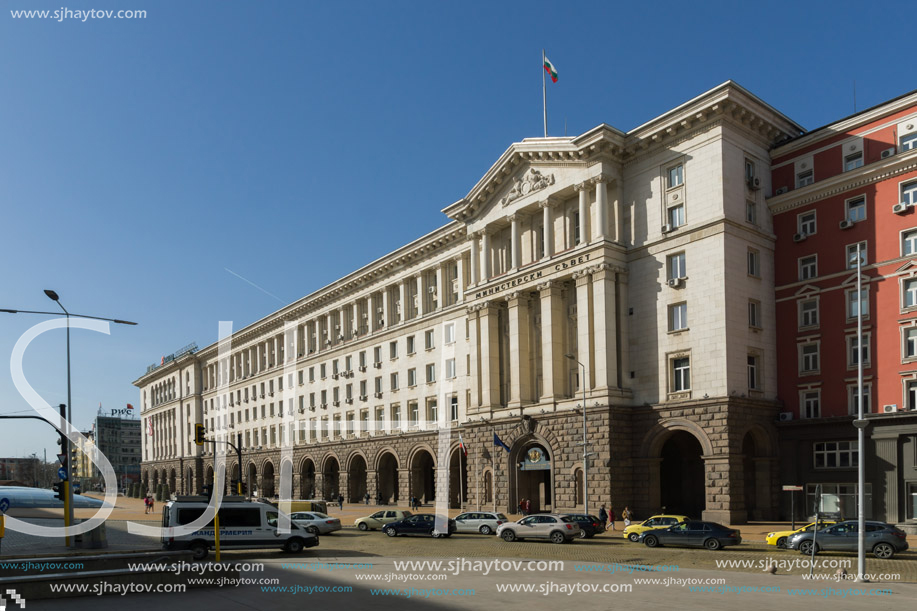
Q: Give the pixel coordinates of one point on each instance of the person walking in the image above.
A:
(627, 516)
(528, 506)
(341, 501)
(603, 516)
(611, 517)
(366, 496)
(146, 504)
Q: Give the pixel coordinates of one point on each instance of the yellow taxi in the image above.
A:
(632, 532)
(780, 537)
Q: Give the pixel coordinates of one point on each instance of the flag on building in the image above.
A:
(549, 67)
(462, 445)
(499, 442)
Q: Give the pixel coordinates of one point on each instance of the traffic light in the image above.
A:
(199, 434)
(60, 491)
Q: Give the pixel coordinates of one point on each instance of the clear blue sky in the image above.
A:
(293, 142)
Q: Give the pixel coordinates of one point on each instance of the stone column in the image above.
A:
(604, 320)
(475, 258)
(515, 253)
(548, 221)
(584, 336)
(583, 212)
(490, 355)
(420, 295)
(617, 213)
(386, 308)
(460, 276)
(601, 206)
(485, 257)
(329, 329)
(440, 289)
(552, 341)
(520, 376)
(724, 475)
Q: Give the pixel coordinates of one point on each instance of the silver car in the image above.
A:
(883, 540)
(316, 522)
(552, 526)
(484, 522)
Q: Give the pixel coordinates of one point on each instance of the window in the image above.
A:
(853, 161)
(808, 313)
(676, 216)
(411, 349)
(394, 381)
(853, 354)
(676, 266)
(853, 408)
(377, 354)
(678, 317)
(806, 222)
(431, 372)
(322, 371)
(749, 171)
(396, 416)
(675, 176)
(753, 372)
(311, 374)
(324, 398)
(412, 377)
(910, 391)
(449, 333)
(751, 211)
(852, 255)
(854, 304)
(806, 177)
(909, 142)
(450, 369)
(753, 265)
(453, 408)
(910, 293)
(413, 413)
(754, 313)
(432, 410)
(910, 342)
(393, 350)
(377, 384)
(808, 267)
(909, 193)
(348, 392)
(429, 340)
(811, 404)
(348, 363)
(808, 357)
(835, 454)
(681, 374)
(856, 209)
(334, 367)
(909, 243)
(363, 358)
(336, 394)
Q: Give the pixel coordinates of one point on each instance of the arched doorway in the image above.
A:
(458, 479)
(423, 476)
(208, 480)
(387, 478)
(252, 483)
(534, 480)
(267, 480)
(331, 475)
(578, 496)
(681, 476)
(307, 479)
(357, 479)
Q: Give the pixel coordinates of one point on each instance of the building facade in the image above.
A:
(852, 182)
(627, 274)
(26, 470)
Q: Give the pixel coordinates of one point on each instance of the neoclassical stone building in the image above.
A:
(643, 260)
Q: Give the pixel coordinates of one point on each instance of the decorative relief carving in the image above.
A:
(528, 183)
(547, 286)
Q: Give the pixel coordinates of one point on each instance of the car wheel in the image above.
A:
(294, 546)
(200, 550)
(781, 543)
(508, 536)
(582, 534)
(712, 544)
(806, 548)
(363, 526)
(391, 532)
(634, 537)
(557, 537)
(436, 535)
(312, 530)
(883, 550)
(485, 530)
(651, 541)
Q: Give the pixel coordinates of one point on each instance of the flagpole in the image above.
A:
(461, 482)
(544, 94)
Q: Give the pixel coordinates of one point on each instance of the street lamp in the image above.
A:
(53, 296)
(582, 384)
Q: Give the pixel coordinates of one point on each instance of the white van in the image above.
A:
(243, 525)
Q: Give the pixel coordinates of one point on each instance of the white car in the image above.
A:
(484, 522)
(316, 522)
(555, 527)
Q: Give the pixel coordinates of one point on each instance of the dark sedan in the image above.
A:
(883, 540)
(590, 526)
(693, 534)
(420, 524)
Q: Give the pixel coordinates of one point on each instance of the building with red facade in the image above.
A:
(851, 182)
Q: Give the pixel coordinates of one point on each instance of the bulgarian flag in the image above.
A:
(549, 67)
(462, 445)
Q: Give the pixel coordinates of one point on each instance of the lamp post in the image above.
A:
(860, 425)
(66, 451)
(582, 384)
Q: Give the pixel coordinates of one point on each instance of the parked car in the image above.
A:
(590, 526)
(883, 540)
(484, 522)
(381, 518)
(555, 527)
(420, 524)
(693, 534)
(632, 532)
(316, 522)
(780, 537)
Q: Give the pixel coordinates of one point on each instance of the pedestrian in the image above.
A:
(627, 516)
(152, 502)
(366, 496)
(528, 506)
(522, 506)
(146, 504)
(603, 516)
(611, 517)
(341, 501)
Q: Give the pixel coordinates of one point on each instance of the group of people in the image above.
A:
(148, 503)
(607, 517)
(525, 507)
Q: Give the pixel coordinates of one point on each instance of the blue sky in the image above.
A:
(293, 142)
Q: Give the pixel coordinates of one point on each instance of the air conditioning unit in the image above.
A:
(666, 228)
(362, 367)
(363, 397)
(899, 208)
(355, 333)
(785, 416)
(781, 190)
(302, 410)
(380, 310)
(349, 401)
(845, 224)
(378, 395)
(335, 375)
(381, 322)
(327, 342)
(753, 183)
(341, 337)
(377, 365)
(888, 153)
(365, 315)
(890, 409)
(324, 405)
(336, 403)
(675, 282)
(262, 395)
(799, 237)
(431, 290)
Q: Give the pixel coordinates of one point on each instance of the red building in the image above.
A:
(852, 182)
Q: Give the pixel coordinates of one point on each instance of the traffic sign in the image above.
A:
(792, 488)
(62, 458)
(62, 474)
(4, 505)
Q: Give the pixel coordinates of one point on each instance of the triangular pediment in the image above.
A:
(807, 289)
(909, 266)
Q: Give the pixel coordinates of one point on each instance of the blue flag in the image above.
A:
(499, 442)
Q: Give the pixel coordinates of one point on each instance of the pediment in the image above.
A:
(851, 280)
(527, 183)
(808, 289)
(909, 266)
